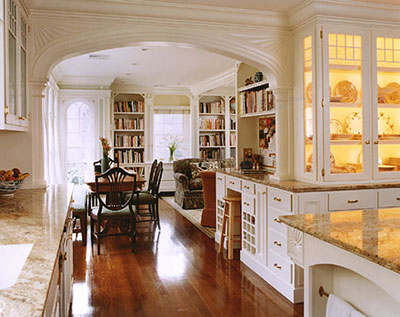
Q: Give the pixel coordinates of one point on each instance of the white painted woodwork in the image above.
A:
(312, 203)
(352, 200)
(389, 197)
(280, 199)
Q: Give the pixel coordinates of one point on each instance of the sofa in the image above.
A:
(189, 189)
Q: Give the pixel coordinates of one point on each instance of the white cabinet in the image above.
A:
(261, 212)
(220, 193)
(347, 93)
(13, 70)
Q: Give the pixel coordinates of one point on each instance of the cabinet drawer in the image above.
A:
(353, 199)
(233, 183)
(280, 266)
(248, 187)
(277, 242)
(389, 197)
(248, 204)
(280, 199)
(274, 222)
(220, 186)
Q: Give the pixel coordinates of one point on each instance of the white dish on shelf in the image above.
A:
(353, 123)
(335, 126)
(385, 124)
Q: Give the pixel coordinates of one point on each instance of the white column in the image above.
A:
(194, 120)
(36, 109)
(148, 127)
(284, 132)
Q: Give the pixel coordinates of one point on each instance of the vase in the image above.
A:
(171, 155)
(104, 163)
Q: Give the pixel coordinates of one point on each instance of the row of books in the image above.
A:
(129, 106)
(232, 139)
(212, 107)
(129, 156)
(216, 154)
(212, 139)
(212, 124)
(257, 101)
(129, 141)
(129, 124)
(233, 124)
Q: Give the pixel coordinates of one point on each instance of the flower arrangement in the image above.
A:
(173, 142)
(106, 146)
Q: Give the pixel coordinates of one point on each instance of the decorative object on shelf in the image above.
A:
(106, 149)
(258, 77)
(332, 161)
(347, 91)
(309, 94)
(266, 132)
(353, 123)
(385, 168)
(10, 181)
(392, 93)
(248, 81)
(256, 161)
(247, 159)
(335, 126)
(385, 124)
(381, 95)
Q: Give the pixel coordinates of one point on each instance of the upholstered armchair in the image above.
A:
(189, 189)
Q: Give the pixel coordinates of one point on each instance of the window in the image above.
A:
(169, 125)
(80, 142)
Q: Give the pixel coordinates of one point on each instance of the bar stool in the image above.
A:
(232, 203)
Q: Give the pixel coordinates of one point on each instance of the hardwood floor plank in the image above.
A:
(173, 272)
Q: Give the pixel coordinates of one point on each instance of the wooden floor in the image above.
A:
(174, 272)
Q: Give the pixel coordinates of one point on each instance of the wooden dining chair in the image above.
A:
(150, 198)
(113, 206)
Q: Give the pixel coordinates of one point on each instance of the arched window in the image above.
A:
(80, 149)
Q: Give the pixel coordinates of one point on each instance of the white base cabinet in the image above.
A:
(266, 247)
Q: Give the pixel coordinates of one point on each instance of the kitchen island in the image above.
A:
(352, 254)
(41, 218)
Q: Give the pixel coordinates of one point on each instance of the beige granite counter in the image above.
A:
(33, 216)
(371, 234)
(299, 187)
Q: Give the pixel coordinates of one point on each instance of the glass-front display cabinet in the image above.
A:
(346, 106)
(386, 105)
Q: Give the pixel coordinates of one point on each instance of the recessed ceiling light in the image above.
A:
(178, 84)
(134, 64)
(145, 49)
(128, 74)
(99, 56)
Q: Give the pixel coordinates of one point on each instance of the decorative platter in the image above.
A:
(385, 124)
(335, 127)
(393, 96)
(347, 91)
(353, 123)
(332, 160)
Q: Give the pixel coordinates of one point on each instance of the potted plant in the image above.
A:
(106, 149)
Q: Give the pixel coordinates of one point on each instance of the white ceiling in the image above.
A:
(157, 65)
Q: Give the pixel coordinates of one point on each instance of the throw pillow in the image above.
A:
(197, 167)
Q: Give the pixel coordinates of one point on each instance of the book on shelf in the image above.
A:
(233, 124)
(216, 154)
(129, 156)
(129, 141)
(129, 124)
(212, 124)
(129, 106)
(253, 101)
(217, 139)
(212, 107)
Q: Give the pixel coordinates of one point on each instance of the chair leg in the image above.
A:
(157, 216)
(91, 230)
(223, 229)
(84, 229)
(98, 236)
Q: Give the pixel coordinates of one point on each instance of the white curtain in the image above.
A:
(53, 172)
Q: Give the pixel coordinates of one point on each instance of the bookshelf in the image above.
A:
(128, 113)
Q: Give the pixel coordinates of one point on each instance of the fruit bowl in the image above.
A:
(11, 181)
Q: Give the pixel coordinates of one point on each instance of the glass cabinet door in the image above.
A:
(308, 118)
(345, 106)
(387, 107)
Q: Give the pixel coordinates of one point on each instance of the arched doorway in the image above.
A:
(80, 146)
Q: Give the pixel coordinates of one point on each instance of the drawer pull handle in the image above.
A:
(277, 243)
(397, 198)
(231, 182)
(219, 178)
(246, 204)
(277, 199)
(353, 201)
(247, 187)
(277, 220)
(72, 201)
(264, 193)
(277, 266)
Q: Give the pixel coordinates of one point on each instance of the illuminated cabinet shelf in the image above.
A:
(347, 133)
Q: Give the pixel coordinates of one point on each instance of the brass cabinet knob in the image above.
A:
(277, 199)
(353, 201)
(277, 220)
(277, 243)
(277, 266)
(376, 142)
(367, 142)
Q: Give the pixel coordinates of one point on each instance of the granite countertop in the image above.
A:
(371, 234)
(300, 187)
(33, 216)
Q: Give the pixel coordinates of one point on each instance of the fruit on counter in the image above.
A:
(12, 175)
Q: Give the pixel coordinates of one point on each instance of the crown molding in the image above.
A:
(219, 80)
(344, 11)
(161, 11)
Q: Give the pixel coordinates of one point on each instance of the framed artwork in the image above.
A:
(266, 132)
